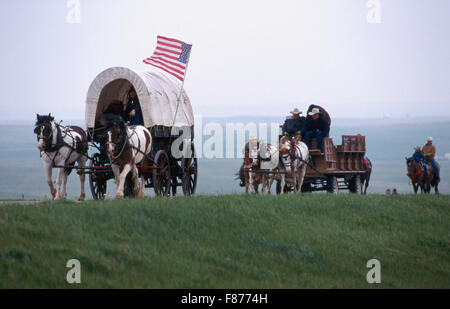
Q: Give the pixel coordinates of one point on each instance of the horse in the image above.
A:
(249, 180)
(244, 176)
(422, 177)
(128, 146)
(267, 164)
(61, 147)
(254, 170)
(294, 155)
(365, 178)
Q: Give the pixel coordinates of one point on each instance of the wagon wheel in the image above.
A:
(97, 179)
(190, 172)
(161, 175)
(355, 184)
(332, 185)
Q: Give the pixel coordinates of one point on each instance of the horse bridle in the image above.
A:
(40, 135)
(122, 140)
(290, 147)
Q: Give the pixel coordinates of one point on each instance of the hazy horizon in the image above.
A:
(339, 120)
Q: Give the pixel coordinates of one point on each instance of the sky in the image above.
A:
(259, 58)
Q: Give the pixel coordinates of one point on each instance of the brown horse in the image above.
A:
(128, 146)
(249, 179)
(255, 170)
(422, 175)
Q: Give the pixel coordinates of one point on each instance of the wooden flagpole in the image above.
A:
(181, 90)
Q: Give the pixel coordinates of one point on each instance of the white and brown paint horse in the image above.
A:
(128, 146)
(259, 160)
(294, 158)
(61, 146)
(249, 180)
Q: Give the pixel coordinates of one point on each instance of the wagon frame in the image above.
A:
(338, 167)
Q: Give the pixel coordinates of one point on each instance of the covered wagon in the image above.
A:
(166, 112)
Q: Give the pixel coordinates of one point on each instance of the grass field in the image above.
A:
(229, 241)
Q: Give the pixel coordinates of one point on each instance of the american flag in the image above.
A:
(171, 55)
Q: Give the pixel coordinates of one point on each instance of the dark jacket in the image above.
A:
(137, 118)
(418, 156)
(317, 124)
(291, 125)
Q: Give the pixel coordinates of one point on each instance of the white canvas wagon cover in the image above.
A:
(157, 95)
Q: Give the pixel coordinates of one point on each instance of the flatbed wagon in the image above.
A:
(338, 167)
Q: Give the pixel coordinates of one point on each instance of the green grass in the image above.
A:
(229, 241)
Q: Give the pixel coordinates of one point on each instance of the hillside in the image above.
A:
(229, 241)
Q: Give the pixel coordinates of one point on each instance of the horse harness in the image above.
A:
(126, 144)
(293, 153)
(60, 143)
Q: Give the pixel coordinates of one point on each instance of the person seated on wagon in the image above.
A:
(316, 127)
(114, 110)
(429, 151)
(133, 111)
(294, 123)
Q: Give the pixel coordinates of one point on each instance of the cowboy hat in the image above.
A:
(296, 111)
(430, 139)
(314, 111)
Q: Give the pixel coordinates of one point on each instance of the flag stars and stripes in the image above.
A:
(185, 52)
(171, 56)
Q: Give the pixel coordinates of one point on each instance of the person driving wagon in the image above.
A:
(133, 112)
(316, 126)
(294, 123)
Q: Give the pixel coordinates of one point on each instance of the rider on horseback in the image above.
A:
(419, 158)
(418, 155)
(429, 151)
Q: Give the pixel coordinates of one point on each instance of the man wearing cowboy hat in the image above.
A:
(294, 123)
(429, 151)
(316, 127)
